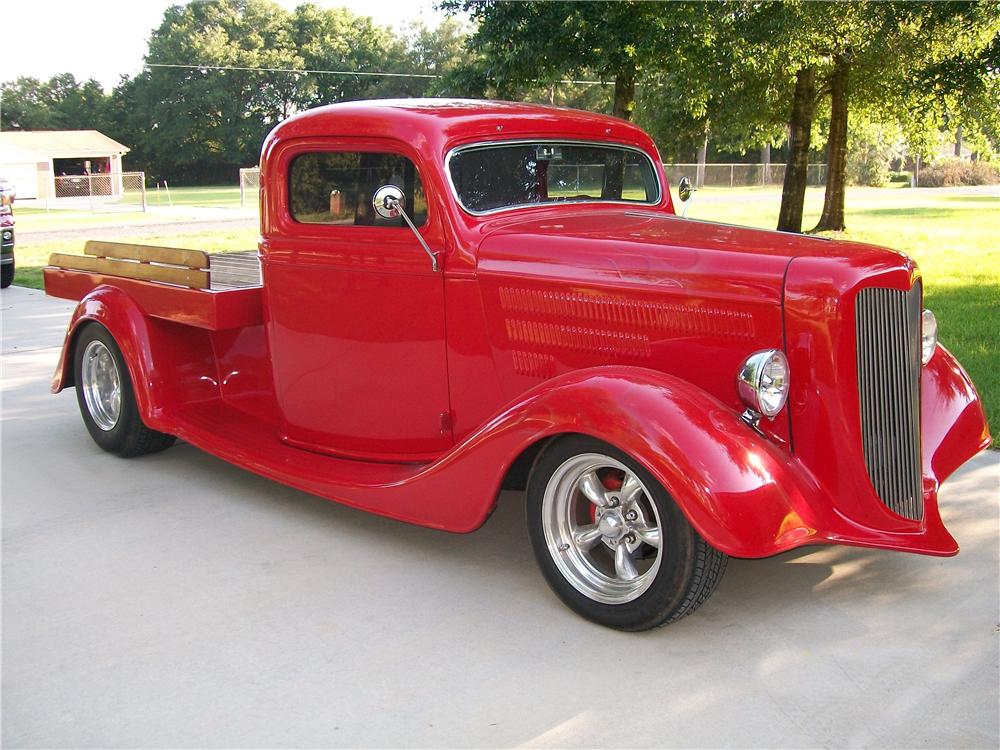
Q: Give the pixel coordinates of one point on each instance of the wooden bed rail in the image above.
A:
(144, 262)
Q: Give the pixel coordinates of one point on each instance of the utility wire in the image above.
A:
(293, 70)
(374, 74)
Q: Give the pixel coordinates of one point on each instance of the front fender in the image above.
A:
(741, 492)
(953, 423)
(744, 494)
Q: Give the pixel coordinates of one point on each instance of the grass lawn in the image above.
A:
(225, 196)
(952, 236)
(160, 205)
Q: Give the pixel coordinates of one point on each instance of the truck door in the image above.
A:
(356, 318)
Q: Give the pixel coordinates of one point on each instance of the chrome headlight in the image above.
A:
(928, 338)
(763, 382)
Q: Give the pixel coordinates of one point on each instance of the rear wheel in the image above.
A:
(611, 542)
(107, 401)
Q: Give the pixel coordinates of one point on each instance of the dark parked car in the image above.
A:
(6, 233)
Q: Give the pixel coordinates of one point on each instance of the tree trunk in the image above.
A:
(765, 158)
(793, 193)
(702, 156)
(614, 176)
(624, 101)
(958, 141)
(832, 219)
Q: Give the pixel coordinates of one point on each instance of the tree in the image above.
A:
(880, 49)
(199, 124)
(434, 52)
(959, 86)
(336, 39)
(524, 45)
(61, 103)
(221, 73)
(793, 189)
(708, 81)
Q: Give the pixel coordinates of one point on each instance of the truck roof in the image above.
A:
(443, 123)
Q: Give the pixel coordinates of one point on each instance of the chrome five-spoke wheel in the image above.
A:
(611, 541)
(602, 530)
(101, 384)
(106, 397)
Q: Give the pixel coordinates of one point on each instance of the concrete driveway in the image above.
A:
(177, 601)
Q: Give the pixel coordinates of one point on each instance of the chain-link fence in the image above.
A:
(704, 175)
(112, 191)
(249, 186)
(739, 175)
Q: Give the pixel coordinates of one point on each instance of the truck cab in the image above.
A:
(458, 296)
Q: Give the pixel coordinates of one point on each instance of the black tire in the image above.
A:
(6, 275)
(685, 571)
(129, 437)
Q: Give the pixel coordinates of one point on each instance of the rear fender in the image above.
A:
(168, 362)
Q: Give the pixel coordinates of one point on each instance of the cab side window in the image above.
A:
(336, 187)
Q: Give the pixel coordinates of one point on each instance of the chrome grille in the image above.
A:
(888, 329)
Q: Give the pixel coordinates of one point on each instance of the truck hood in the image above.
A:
(643, 247)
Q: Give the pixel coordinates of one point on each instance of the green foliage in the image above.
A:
(954, 172)
(195, 125)
(871, 148)
(336, 39)
(958, 83)
(867, 165)
(523, 46)
(61, 103)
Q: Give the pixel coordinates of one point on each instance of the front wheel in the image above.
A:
(6, 275)
(107, 401)
(610, 541)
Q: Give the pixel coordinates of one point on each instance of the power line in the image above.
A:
(294, 70)
(374, 74)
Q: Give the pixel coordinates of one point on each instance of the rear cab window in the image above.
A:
(336, 188)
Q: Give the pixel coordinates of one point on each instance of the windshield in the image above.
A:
(505, 175)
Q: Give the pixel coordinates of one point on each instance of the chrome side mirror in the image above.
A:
(684, 189)
(388, 203)
(387, 200)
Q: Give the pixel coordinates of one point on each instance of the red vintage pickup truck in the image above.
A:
(454, 297)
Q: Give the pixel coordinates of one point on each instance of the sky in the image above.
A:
(105, 39)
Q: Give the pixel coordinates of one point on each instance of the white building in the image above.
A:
(56, 164)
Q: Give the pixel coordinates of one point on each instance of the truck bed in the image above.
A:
(214, 291)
